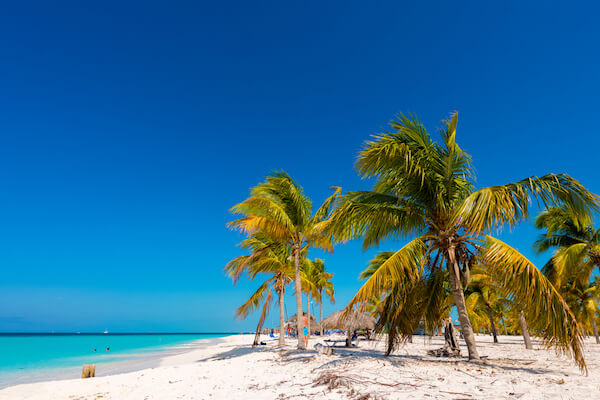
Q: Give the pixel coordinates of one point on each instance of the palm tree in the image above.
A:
(279, 209)
(426, 189)
(577, 255)
(483, 299)
(266, 257)
(308, 286)
(582, 299)
(575, 240)
(322, 282)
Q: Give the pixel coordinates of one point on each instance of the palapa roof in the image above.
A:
(292, 319)
(354, 320)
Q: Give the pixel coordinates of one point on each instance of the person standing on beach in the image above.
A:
(305, 336)
(305, 330)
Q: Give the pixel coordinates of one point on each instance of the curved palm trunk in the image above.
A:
(308, 314)
(261, 321)
(321, 313)
(298, 283)
(491, 317)
(525, 331)
(461, 307)
(281, 317)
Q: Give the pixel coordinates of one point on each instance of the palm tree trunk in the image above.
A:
(461, 307)
(321, 313)
(595, 329)
(491, 317)
(525, 331)
(261, 321)
(298, 283)
(308, 314)
(281, 316)
(349, 338)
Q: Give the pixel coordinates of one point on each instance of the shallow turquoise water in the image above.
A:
(24, 353)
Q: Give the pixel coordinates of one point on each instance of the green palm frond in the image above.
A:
(282, 189)
(255, 300)
(397, 151)
(375, 217)
(375, 263)
(564, 221)
(323, 212)
(495, 206)
(403, 268)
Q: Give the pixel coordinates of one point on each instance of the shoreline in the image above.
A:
(231, 368)
(132, 362)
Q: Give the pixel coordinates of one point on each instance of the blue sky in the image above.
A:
(128, 130)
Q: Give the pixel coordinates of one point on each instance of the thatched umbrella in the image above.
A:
(353, 321)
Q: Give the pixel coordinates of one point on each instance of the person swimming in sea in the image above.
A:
(94, 350)
(107, 349)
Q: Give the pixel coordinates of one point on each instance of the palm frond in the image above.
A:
(255, 300)
(374, 217)
(323, 211)
(546, 311)
(492, 207)
(403, 268)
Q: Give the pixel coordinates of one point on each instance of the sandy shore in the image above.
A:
(232, 369)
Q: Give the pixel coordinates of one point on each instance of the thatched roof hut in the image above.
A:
(353, 321)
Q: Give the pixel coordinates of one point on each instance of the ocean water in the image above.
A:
(35, 357)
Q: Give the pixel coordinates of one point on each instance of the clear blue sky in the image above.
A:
(129, 129)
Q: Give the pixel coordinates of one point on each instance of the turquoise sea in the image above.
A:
(34, 357)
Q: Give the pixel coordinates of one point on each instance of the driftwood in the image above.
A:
(450, 348)
(89, 371)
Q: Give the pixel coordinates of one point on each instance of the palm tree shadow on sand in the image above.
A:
(344, 356)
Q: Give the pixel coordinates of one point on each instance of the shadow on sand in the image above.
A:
(343, 356)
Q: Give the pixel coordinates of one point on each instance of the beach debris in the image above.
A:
(450, 348)
(89, 371)
(323, 349)
(333, 379)
(462, 394)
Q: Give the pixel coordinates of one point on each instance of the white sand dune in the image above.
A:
(232, 369)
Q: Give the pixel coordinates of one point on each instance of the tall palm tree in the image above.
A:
(279, 209)
(577, 255)
(270, 258)
(323, 285)
(426, 190)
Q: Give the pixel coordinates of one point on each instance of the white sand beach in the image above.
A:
(232, 369)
